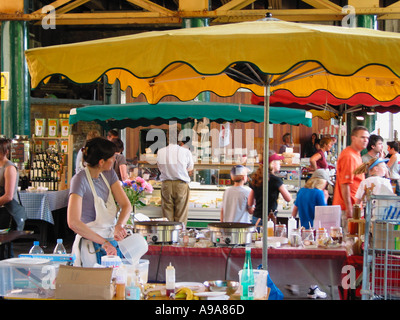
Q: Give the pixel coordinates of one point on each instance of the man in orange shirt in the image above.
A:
(346, 181)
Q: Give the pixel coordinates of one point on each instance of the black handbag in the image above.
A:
(17, 212)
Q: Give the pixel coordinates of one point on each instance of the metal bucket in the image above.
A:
(231, 233)
(159, 231)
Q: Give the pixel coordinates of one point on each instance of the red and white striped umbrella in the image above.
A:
(333, 130)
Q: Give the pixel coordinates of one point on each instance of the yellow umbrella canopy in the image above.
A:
(262, 55)
(185, 62)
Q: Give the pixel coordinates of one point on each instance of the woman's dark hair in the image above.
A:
(119, 144)
(5, 146)
(96, 149)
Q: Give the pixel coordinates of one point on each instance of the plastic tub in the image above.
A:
(142, 266)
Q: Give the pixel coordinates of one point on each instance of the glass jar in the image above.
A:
(280, 230)
(321, 234)
(356, 211)
(307, 234)
(295, 238)
(336, 234)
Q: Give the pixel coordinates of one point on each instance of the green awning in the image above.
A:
(132, 115)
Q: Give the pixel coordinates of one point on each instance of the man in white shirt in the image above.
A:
(174, 163)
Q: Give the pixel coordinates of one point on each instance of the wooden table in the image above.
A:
(6, 240)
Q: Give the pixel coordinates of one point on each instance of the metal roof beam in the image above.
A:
(324, 4)
(152, 7)
(71, 6)
(235, 5)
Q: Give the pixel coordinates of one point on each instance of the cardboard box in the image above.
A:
(39, 146)
(79, 283)
(40, 127)
(387, 235)
(65, 128)
(52, 144)
(64, 146)
(53, 127)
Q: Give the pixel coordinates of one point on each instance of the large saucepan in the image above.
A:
(231, 233)
(159, 231)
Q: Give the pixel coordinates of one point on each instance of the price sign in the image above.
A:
(4, 81)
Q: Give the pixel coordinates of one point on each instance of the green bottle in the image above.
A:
(247, 278)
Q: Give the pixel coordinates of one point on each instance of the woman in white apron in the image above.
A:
(92, 208)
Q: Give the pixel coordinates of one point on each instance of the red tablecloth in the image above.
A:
(285, 265)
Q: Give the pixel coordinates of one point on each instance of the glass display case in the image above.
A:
(209, 181)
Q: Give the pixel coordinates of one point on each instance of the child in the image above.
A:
(234, 205)
(377, 170)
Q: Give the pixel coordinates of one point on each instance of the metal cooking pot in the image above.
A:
(159, 231)
(231, 233)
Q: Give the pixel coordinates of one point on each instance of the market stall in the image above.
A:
(300, 57)
(206, 196)
(288, 265)
(143, 114)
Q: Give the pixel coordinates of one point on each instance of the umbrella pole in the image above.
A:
(267, 93)
(339, 149)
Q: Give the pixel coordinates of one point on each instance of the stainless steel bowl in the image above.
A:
(159, 231)
(227, 286)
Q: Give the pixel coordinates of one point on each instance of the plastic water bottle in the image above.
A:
(59, 248)
(247, 278)
(36, 248)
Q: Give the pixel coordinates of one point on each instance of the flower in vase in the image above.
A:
(135, 191)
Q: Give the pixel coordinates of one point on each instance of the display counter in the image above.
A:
(286, 265)
(206, 199)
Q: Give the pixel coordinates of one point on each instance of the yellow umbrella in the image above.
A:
(197, 54)
(258, 55)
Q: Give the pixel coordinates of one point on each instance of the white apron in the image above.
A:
(103, 225)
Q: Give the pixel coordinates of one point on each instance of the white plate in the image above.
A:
(212, 295)
(194, 286)
(282, 240)
(27, 261)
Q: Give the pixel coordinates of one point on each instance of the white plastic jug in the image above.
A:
(133, 247)
(260, 283)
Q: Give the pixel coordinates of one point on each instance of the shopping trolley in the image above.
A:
(381, 260)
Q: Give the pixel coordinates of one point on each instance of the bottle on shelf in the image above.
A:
(59, 248)
(36, 248)
(170, 279)
(247, 278)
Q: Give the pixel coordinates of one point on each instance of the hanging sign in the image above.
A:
(5, 77)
